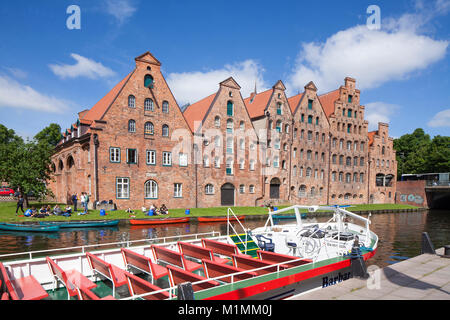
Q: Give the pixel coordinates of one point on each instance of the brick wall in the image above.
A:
(411, 192)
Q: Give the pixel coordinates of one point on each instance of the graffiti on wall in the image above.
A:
(411, 198)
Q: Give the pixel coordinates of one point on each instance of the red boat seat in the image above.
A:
(248, 263)
(174, 258)
(71, 278)
(86, 294)
(25, 288)
(138, 286)
(178, 276)
(108, 270)
(279, 258)
(220, 247)
(213, 269)
(198, 252)
(144, 264)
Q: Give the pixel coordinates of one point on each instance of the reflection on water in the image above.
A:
(399, 234)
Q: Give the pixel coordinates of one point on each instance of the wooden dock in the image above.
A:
(425, 277)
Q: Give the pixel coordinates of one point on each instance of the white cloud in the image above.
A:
(373, 57)
(84, 67)
(17, 73)
(440, 119)
(16, 95)
(120, 9)
(193, 86)
(379, 112)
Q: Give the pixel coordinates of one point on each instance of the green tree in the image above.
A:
(418, 153)
(26, 165)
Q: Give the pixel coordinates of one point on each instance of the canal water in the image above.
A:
(399, 234)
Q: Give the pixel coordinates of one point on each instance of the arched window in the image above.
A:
(131, 126)
(310, 119)
(165, 107)
(230, 126)
(131, 101)
(313, 192)
(278, 126)
(151, 189)
(302, 191)
(217, 121)
(206, 161)
(252, 165)
(382, 150)
(165, 130)
(149, 128)
(348, 177)
(308, 172)
(148, 105)
(148, 81)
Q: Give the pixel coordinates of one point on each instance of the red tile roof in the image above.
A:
(294, 101)
(198, 110)
(99, 109)
(371, 134)
(327, 100)
(257, 107)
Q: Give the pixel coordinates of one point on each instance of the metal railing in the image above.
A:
(440, 183)
(229, 225)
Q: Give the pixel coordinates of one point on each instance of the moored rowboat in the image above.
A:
(219, 219)
(28, 228)
(158, 221)
(81, 224)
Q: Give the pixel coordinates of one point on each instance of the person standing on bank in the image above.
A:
(20, 203)
(83, 199)
(75, 201)
(86, 202)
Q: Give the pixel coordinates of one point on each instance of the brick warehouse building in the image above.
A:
(136, 147)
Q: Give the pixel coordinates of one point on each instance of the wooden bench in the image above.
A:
(178, 276)
(213, 269)
(25, 288)
(71, 279)
(107, 270)
(248, 263)
(198, 252)
(86, 294)
(276, 258)
(220, 247)
(138, 286)
(174, 258)
(143, 263)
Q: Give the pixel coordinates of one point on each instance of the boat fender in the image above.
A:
(185, 291)
(358, 265)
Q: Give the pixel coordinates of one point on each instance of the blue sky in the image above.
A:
(49, 73)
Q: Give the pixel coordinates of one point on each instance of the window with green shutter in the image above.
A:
(310, 103)
(229, 108)
(350, 98)
(349, 113)
(148, 81)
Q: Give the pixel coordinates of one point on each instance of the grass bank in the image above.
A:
(8, 212)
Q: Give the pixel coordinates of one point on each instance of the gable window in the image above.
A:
(151, 190)
(310, 103)
(229, 108)
(167, 158)
(230, 126)
(151, 157)
(229, 168)
(132, 156)
(131, 126)
(148, 105)
(149, 128)
(165, 130)
(165, 107)
(217, 121)
(131, 101)
(114, 155)
(302, 118)
(350, 98)
(230, 145)
(278, 126)
(177, 190)
(122, 188)
(349, 113)
(276, 162)
(279, 110)
(252, 165)
(148, 81)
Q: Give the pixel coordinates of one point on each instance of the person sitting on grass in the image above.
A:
(129, 210)
(41, 214)
(43, 210)
(57, 210)
(68, 210)
(163, 209)
(30, 212)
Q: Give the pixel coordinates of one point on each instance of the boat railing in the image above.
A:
(230, 226)
(171, 290)
(127, 243)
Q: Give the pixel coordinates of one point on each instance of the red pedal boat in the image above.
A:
(158, 221)
(219, 219)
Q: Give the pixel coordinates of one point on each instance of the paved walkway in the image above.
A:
(425, 277)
